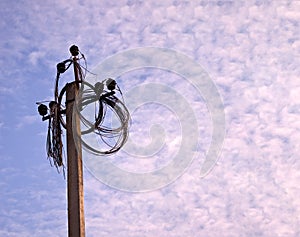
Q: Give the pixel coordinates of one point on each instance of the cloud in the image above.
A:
(249, 49)
(27, 120)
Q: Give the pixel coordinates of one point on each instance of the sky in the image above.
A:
(245, 58)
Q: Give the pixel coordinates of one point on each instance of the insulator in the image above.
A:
(43, 110)
(74, 50)
(51, 104)
(61, 67)
(99, 88)
(111, 84)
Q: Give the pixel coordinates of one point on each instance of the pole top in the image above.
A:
(74, 50)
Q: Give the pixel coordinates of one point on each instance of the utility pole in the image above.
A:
(54, 112)
(76, 224)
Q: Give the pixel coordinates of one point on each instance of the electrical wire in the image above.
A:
(54, 143)
(113, 137)
(106, 106)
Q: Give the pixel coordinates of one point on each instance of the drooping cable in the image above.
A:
(112, 137)
(110, 120)
(54, 137)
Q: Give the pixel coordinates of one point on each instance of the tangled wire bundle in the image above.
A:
(107, 110)
(111, 117)
(54, 135)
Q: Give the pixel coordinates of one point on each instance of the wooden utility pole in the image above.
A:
(76, 225)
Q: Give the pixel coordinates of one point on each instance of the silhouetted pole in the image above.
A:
(76, 226)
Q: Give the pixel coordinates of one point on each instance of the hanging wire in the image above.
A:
(112, 137)
(61, 68)
(54, 137)
(106, 107)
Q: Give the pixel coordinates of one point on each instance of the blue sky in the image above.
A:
(249, 49)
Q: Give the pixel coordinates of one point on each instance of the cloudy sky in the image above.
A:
(249, 50)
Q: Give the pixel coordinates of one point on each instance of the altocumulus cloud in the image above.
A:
(250, 50)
